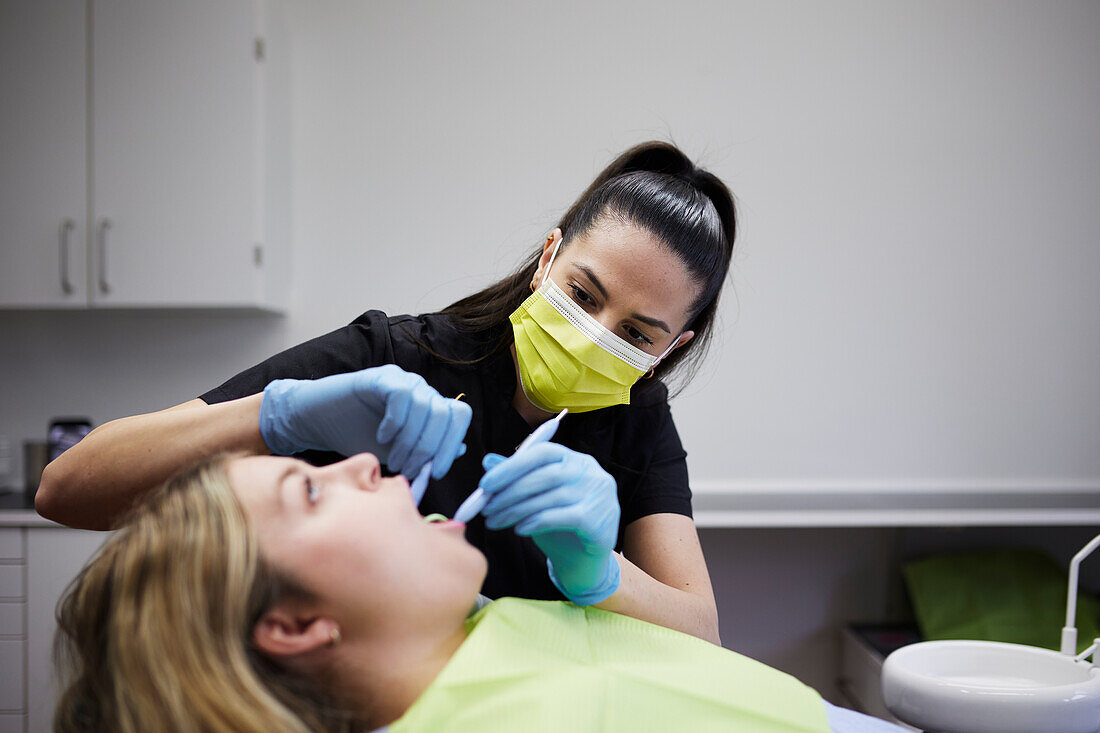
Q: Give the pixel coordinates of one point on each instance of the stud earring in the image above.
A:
(334, 637)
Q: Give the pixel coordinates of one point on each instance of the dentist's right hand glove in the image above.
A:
(568, 505)
(382, 410)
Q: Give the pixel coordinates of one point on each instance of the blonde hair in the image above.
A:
(155, 632)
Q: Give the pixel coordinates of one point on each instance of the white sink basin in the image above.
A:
(988, 687)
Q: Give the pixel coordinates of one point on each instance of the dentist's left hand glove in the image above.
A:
(382, 410)
(568, 505)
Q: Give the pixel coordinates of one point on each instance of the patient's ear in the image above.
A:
(284, 632)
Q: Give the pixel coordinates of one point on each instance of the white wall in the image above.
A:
(915, 293)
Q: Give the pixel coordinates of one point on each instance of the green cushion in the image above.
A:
(1016, 596)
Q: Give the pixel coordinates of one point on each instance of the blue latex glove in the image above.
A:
(383, 410)
(568, 505)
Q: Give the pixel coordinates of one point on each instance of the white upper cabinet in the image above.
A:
(43, 153)
(183, 127)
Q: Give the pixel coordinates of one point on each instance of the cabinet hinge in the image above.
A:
(259, 49)
(258, 255)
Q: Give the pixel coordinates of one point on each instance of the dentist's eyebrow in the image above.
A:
(655, 322)
(592, 276)
(651, 321)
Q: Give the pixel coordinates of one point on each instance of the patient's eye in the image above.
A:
(313, 492)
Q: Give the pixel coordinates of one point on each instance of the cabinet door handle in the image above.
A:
(101, 238)
(67, 227)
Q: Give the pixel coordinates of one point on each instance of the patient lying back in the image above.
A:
(261, 593)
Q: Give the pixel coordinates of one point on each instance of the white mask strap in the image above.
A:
(667, 351)
(551, 262)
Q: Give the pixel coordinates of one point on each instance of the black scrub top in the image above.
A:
(636, 443)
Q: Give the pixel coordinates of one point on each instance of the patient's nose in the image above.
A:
(364, 470)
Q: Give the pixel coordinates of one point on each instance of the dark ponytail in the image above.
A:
(656, 187)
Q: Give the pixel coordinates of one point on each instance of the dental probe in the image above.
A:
(420, 484)
(476, 501)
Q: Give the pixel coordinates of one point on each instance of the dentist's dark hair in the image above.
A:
(653, 185)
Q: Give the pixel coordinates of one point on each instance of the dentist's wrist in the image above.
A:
(275, 414)
(591, 594)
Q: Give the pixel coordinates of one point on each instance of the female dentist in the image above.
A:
(619, 295)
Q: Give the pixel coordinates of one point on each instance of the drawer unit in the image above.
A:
(11, 619)
(11, 543)
(11, 658)
(11, 582)
(13, 722)
(13, 631)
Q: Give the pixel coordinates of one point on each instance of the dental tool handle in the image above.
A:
(420, 484)
(544, 432)
(476, 501)
(473, 505)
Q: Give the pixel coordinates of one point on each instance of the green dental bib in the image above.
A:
(552, 666)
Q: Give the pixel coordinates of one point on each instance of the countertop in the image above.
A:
(720, 505)
(17, 510)
(890, 504)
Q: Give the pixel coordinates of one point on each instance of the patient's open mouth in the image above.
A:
(442, 520)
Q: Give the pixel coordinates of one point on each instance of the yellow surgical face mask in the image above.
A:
(568, 359)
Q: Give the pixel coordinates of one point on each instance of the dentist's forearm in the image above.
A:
(643, 597)
(94, 483)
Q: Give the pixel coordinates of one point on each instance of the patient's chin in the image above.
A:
(482, 573)
(482, 566)
(472, 574)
